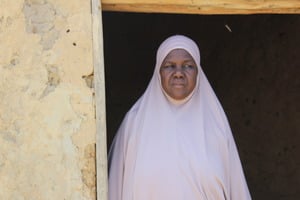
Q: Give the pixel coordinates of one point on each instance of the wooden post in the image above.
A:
(99, 85)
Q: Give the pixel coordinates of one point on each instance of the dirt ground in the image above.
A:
(253, 64)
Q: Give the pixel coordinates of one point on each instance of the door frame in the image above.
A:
(235, 7)
(99, 87)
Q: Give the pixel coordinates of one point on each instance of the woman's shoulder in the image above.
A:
(131, 114)
(129, 118)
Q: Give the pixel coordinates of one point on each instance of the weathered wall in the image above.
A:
(252, 62)
(47, 122)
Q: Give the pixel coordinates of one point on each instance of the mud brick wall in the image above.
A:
(47, 115)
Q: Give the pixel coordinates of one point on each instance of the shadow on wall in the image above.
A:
(251, 61)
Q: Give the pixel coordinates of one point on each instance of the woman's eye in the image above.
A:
(169, 67)
(188, 66)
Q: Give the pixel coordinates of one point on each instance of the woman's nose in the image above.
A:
(178, 72)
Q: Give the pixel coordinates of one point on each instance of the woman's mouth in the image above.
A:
(178, 84)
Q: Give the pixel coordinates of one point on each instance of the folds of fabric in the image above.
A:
(176, 150)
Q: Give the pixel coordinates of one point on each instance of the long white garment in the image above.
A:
(176, 150)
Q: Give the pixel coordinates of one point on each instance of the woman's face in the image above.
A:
(178, 74)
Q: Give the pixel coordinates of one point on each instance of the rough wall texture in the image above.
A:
(47, 122)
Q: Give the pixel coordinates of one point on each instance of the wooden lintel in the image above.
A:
(204, 6)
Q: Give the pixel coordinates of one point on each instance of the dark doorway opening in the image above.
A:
(253, 64)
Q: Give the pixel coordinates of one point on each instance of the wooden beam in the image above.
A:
(204, 6)
(99, 85)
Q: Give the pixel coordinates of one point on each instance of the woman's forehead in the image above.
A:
(178, 54)
(177, 42)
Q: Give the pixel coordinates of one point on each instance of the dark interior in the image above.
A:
(253, 64)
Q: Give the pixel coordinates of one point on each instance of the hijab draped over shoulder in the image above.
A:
(167, 149)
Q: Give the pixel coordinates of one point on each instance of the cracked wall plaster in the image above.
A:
(40, 19)
(47, 124)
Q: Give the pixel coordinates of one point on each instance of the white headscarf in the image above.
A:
(167, 149)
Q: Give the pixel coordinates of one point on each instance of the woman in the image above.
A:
(175, 143)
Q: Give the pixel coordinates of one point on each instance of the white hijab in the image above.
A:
(176, 150)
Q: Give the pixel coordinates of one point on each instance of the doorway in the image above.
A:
(252, 63)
